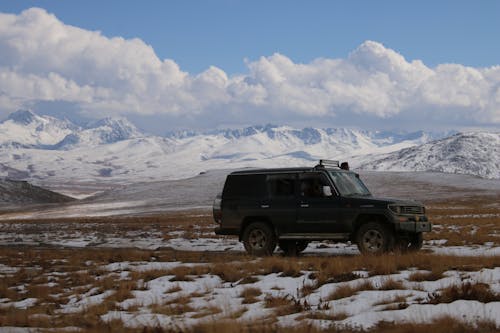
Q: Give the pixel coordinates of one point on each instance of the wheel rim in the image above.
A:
(257, 239)
(373, 240)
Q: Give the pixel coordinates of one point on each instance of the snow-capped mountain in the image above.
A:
(24, 128)
(104, 131)
(43, 149)
(310, 144)
(473, 153)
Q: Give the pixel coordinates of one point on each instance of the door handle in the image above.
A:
(264, 206)
(304, 205)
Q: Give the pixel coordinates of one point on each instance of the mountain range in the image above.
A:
(41, 148)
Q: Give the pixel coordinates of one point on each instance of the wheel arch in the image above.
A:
(366, 218)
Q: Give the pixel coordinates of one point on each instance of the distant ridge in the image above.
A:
(20, 192)
(112, 150)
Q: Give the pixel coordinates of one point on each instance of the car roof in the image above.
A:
(283, 170)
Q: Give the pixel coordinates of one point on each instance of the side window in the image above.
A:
(281, 186)
(246, 186)
(311, 185)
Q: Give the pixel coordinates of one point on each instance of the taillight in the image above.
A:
(217, 209)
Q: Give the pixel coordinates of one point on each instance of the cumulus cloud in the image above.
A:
(44, 59)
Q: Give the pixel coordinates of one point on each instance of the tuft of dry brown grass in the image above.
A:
(285, 304)
(466, 291)
(441, 325)
(347, 290)
(323, 316)
(177, 306)
(208, 311)
(391, 284)
(173, 289)
(425, 276)
(250, 295)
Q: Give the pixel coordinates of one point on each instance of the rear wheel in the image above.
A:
(259, 239)
(292, 247)
(374, 238)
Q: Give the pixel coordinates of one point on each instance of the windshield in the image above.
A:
(348, 183)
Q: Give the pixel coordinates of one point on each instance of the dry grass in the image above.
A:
(175, 307)
(250, 295)
(466, 291)
(237, 314)
(347, 290)
(391, 284)
(285, 304)
(323, 316)
(441, 325)
(425, 276)
(208, 311)
(465, 221)
(173, 289)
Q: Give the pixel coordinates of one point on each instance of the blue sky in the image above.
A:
(204, 64)
(197, 34)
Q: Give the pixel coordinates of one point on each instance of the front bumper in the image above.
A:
(414, 226)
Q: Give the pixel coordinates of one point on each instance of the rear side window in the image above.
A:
(281, 186)
(246, 186)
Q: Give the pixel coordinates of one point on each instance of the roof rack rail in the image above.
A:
(329, 163)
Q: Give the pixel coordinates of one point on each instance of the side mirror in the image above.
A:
(327, 191)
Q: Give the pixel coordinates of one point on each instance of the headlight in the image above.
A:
(395, 209)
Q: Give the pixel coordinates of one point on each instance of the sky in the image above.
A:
(206, 64)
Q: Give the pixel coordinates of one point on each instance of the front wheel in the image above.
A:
(259, 239)
(374, 238)
(412, 243)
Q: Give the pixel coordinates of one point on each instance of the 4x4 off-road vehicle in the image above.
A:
(293, 206)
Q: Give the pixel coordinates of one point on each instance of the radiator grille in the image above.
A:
(412, 210)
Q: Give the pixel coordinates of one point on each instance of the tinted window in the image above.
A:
(311, 185)
(248, 186)
(281, 186)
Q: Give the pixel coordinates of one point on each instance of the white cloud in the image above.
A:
(44, 59)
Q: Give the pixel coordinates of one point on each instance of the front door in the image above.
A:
(316, 212)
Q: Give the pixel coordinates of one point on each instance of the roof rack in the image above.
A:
(329, 163)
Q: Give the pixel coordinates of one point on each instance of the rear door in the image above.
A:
(281, 203)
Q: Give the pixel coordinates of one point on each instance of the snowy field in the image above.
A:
(144, 258)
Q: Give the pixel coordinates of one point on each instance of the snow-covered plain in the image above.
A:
(171, 220)
(172, 302)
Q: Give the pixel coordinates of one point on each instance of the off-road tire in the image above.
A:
(292, 248)
(374, 238)
(411, 243)
(259, 239)
(416, 241)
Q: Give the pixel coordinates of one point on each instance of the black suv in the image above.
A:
(293, 206)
